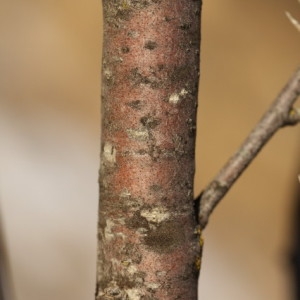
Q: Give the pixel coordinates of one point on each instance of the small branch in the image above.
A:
(293, 20)
(280, 114)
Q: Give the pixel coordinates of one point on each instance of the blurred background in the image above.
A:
(49, 147)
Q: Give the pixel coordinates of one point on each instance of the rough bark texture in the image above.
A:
(148, 245)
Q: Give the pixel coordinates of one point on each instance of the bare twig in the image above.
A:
(293, 20)
(280, 114)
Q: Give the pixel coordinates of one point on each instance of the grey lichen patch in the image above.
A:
(123, 10)
(131, 203)
(166, 237)
(152, 286)
(133, 34)
(138, 152)
(138, 134)
(179, 142)
(142, 232)
(109, 153)
(131, 252)
(132, 269)
(139, 277)
(116, 59)
(108, 234)
(150, 122)
(122, 288)
(138, 4)
(134, 294)
(112, 290)
(156, 214)
(150, 45)
(155, 152)
(116, 12)
(125, 193)
(125, 281)
(107, 73)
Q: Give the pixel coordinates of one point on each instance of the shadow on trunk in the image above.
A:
(6, 289)
(295, 254)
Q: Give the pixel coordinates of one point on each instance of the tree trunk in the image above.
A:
(148, 245)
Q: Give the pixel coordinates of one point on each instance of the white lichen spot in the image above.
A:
(115, 263)
(152, 226)
(138, 134)
(161, 273)
(155, 215)
(109, 153)
(121, 221)
(176, 97)
(109, 235)
(133, 34)
(125, 193)
(189, 193)
(139, 280)
(183, 92)
(121, 235)
(117, 59)
(132, 269)
(108, 73)
(153, 286)
(142, 231)
(104, 184)
(133, 294)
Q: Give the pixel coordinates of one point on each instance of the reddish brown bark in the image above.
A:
(148, 248)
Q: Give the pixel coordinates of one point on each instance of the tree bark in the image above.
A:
(148, 243)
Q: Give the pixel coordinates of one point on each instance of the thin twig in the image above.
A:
(293, 20)
(280, 114)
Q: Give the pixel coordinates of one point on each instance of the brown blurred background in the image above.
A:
(49, 146)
